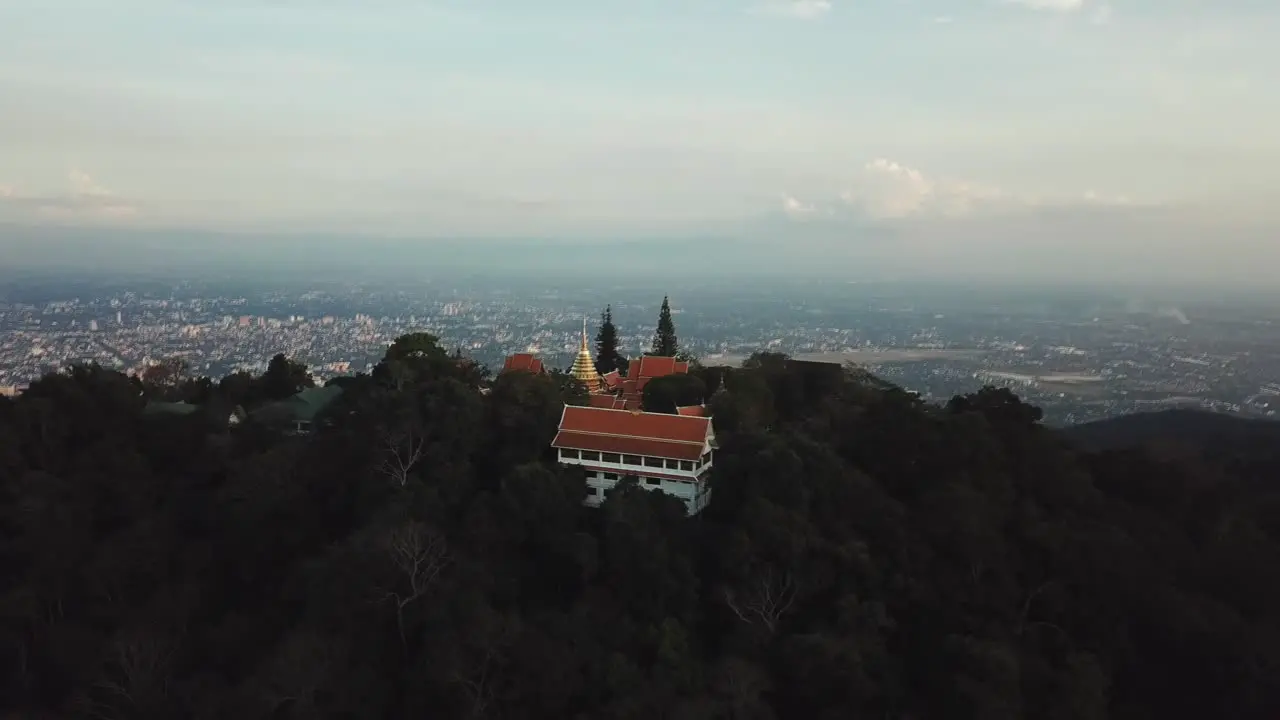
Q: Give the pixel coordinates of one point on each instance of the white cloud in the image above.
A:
(801, 9)
(1099, 11)
(1050, 5)
(797, 209)
(84, 198)
(888, 190)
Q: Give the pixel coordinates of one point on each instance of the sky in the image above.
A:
(1076, 133)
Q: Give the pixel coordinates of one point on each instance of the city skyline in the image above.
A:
(1058, 136)
(1079, 356)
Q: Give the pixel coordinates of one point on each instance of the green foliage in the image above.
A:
(417, 358)
(664, 338)
(284, 378)
(607, 357)
(166, 374)
(665, 394)
(421, 555)
(572, 391)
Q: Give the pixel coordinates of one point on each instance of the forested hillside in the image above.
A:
(418, 554)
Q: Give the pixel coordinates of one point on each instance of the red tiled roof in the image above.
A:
(652, 366)
(628, 445)
(608, 402)
(523, 361)
(612, 379)
(692, 411)
(658, 426)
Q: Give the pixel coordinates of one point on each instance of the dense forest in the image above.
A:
(418, 553)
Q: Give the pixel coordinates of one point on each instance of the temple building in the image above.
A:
(670, 453)
(627, 393)
(613, 438)
(525, 362)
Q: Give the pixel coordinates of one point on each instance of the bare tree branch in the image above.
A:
(766, 601)
(419, 555)
(477, 685)
(401, 453)
(1026, 606)
(138, 673)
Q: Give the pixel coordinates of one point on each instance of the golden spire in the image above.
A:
(584, 368)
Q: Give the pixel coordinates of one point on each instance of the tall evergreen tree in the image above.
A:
(664, 339)
(607, 357)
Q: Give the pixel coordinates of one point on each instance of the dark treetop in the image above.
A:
(420, 554)
(664, 338)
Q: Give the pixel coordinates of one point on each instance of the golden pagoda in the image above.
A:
(584, 368)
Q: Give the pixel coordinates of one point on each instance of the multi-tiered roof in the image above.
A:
(525, 362)
(676, 437)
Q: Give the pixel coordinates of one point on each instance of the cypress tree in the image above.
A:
(664, 339)
(607, 357)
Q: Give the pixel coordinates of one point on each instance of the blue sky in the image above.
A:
(951, 121)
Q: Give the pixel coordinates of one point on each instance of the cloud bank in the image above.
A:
(83, 199)
(799, 9)
(886, 190)
(1050, 5)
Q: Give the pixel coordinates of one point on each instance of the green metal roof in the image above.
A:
(302, 407)
(169, 408)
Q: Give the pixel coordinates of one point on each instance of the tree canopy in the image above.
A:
(607, 357)
(664, 337)
(421, 554)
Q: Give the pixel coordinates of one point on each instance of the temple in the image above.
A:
(525, 362)
(627, 393)
(613, 437)
(670, 453)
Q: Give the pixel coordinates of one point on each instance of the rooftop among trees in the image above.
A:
(419, 553)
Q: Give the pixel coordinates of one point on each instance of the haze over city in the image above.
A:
(1064, 139)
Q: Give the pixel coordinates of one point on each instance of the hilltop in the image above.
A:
(1197, 427)
(865, 554)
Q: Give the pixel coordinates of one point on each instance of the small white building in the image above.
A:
(671, 453)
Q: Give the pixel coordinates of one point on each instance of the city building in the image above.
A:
(670, 453)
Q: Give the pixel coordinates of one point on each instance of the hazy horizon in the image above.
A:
(1072, 140)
